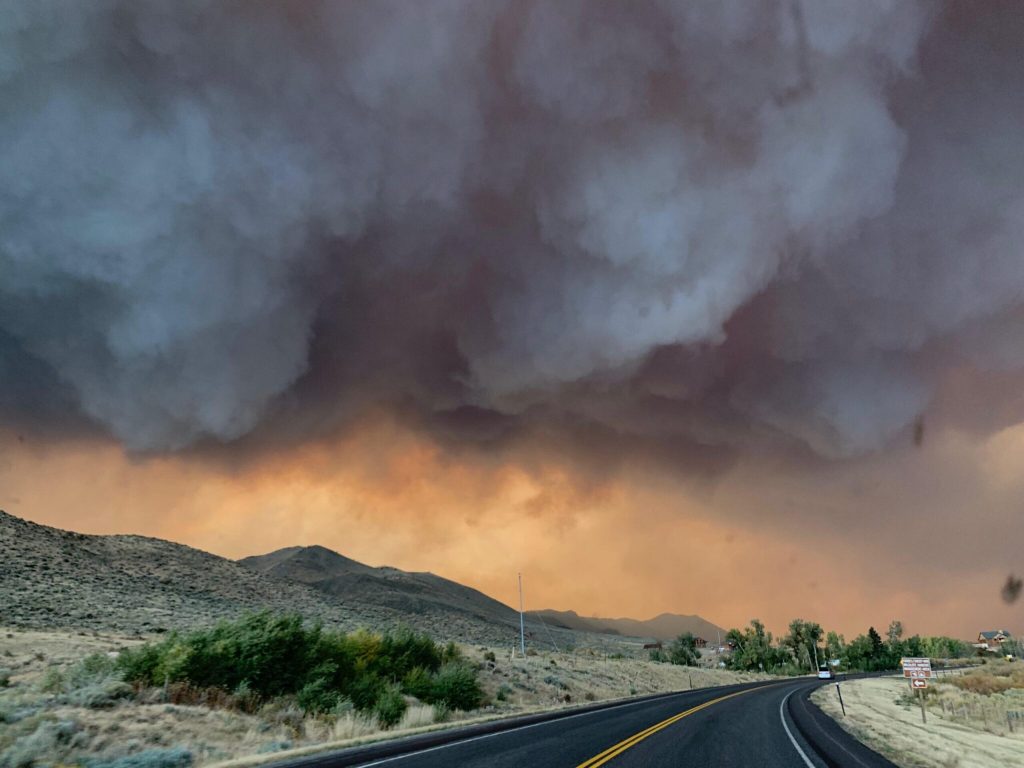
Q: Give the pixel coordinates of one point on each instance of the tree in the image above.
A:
(858, 653)
(913, 646)
(868, 652)
(754, 649)
(895, 632)
(876, 643)
(683, 650)
(895, 647)
(802, 640)
(835, 645)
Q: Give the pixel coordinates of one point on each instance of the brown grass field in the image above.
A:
(968, 724)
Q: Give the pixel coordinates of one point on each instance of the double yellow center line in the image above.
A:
(636, 738)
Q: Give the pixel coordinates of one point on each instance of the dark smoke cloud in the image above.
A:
(675, 223)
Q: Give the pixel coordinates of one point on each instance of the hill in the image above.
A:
(666, 626)
(51, 578)
(401, 591)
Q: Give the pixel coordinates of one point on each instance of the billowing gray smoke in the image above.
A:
(707, 222)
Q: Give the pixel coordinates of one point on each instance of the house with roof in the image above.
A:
(993, 639)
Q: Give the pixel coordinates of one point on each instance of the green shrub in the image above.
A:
(405, 651)
(390, 706)
(419, 683)
(264, 656)
(5, 678)
(683, 650)
(364, 691)
(318, 696)
(269, 653)
(456, 687)
(140, 664)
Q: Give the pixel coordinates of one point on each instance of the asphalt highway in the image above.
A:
(754, 726)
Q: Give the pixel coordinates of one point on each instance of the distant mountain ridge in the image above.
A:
(665, 626)
(55, 578)
(340, 576)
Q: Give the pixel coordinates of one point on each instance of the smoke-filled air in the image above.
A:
(690, 233)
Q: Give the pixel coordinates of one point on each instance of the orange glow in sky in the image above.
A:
(636, 543)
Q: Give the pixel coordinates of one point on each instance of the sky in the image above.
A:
(672, 306)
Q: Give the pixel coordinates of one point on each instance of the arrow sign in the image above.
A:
(919, 682)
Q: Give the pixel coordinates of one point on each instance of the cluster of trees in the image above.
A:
(683, 651)
(807, 645)
(265, 656)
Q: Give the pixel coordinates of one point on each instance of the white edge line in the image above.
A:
(796, 746)
(512, 730)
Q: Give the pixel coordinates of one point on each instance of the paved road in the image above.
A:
(748, 725)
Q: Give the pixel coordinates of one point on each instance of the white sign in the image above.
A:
(914, 667)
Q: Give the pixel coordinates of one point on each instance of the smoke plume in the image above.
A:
(728, 224)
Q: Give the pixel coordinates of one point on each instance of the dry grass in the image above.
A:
(965, 729)
(44, 722)
(560, 679)
(994, 677)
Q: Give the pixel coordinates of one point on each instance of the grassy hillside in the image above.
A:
(132, 584)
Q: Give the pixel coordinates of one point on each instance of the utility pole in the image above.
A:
(522, 624)
(816, 667)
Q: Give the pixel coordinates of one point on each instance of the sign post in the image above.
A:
(918, 671)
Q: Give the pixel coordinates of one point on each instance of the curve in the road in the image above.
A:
(617, 749)
(785, 726)
(769, 725)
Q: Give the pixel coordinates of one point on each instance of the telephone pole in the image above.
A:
(522, 625)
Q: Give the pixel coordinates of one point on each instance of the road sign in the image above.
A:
(918, 682)
(915, 667)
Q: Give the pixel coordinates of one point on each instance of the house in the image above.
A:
(993, 640)
(700, 642)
